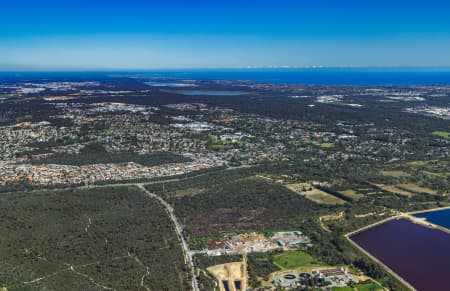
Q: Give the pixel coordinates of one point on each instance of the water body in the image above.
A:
(420, 255)
(211, 93)
(318, 76)
(167, 84)
(439, 217)
(226, 286)
(313, 76)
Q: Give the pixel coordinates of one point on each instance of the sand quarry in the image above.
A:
(234, 275)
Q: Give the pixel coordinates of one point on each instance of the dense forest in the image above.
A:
(244, 205)
(85, 239)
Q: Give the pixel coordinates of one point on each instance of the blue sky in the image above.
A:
(138, 34)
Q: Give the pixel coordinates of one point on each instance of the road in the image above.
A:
(124, 184)
(179, 229)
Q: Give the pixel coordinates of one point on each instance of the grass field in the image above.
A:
(326, 145)
(360, 287)
(294, 259)
(418, 163)
(417, 189)
(394, 189)
(368, 287)
(395, 174)
(430, 167)
(432, 174)
(342, 289)
(352, 194)
(443, 134)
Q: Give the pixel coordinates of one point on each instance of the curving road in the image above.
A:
(179, 229)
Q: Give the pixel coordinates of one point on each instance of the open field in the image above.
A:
(188, 192)
(433, 174)
(360, 287)
(103, 238)
(368, 287)
(426, 176)
(294, 259)
(406, 189)
(342, 288)
(299, 187)
(443, 134)
(395, 174)
(435, 166)
(352, 194)
(418, 163)
(326, 145)
(322, 197)
(417, 189)
(394, 189)
(314, 194)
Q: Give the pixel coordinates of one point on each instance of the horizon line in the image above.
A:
(313, 67)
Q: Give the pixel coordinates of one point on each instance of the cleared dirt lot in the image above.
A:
(230, 273)
(314, 194)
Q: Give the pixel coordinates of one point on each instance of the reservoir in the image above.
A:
(419, 255)
(438, 217)
(169, 84)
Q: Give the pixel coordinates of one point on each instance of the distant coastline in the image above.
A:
(339, 76)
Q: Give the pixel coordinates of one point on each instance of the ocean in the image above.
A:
(316, 76)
